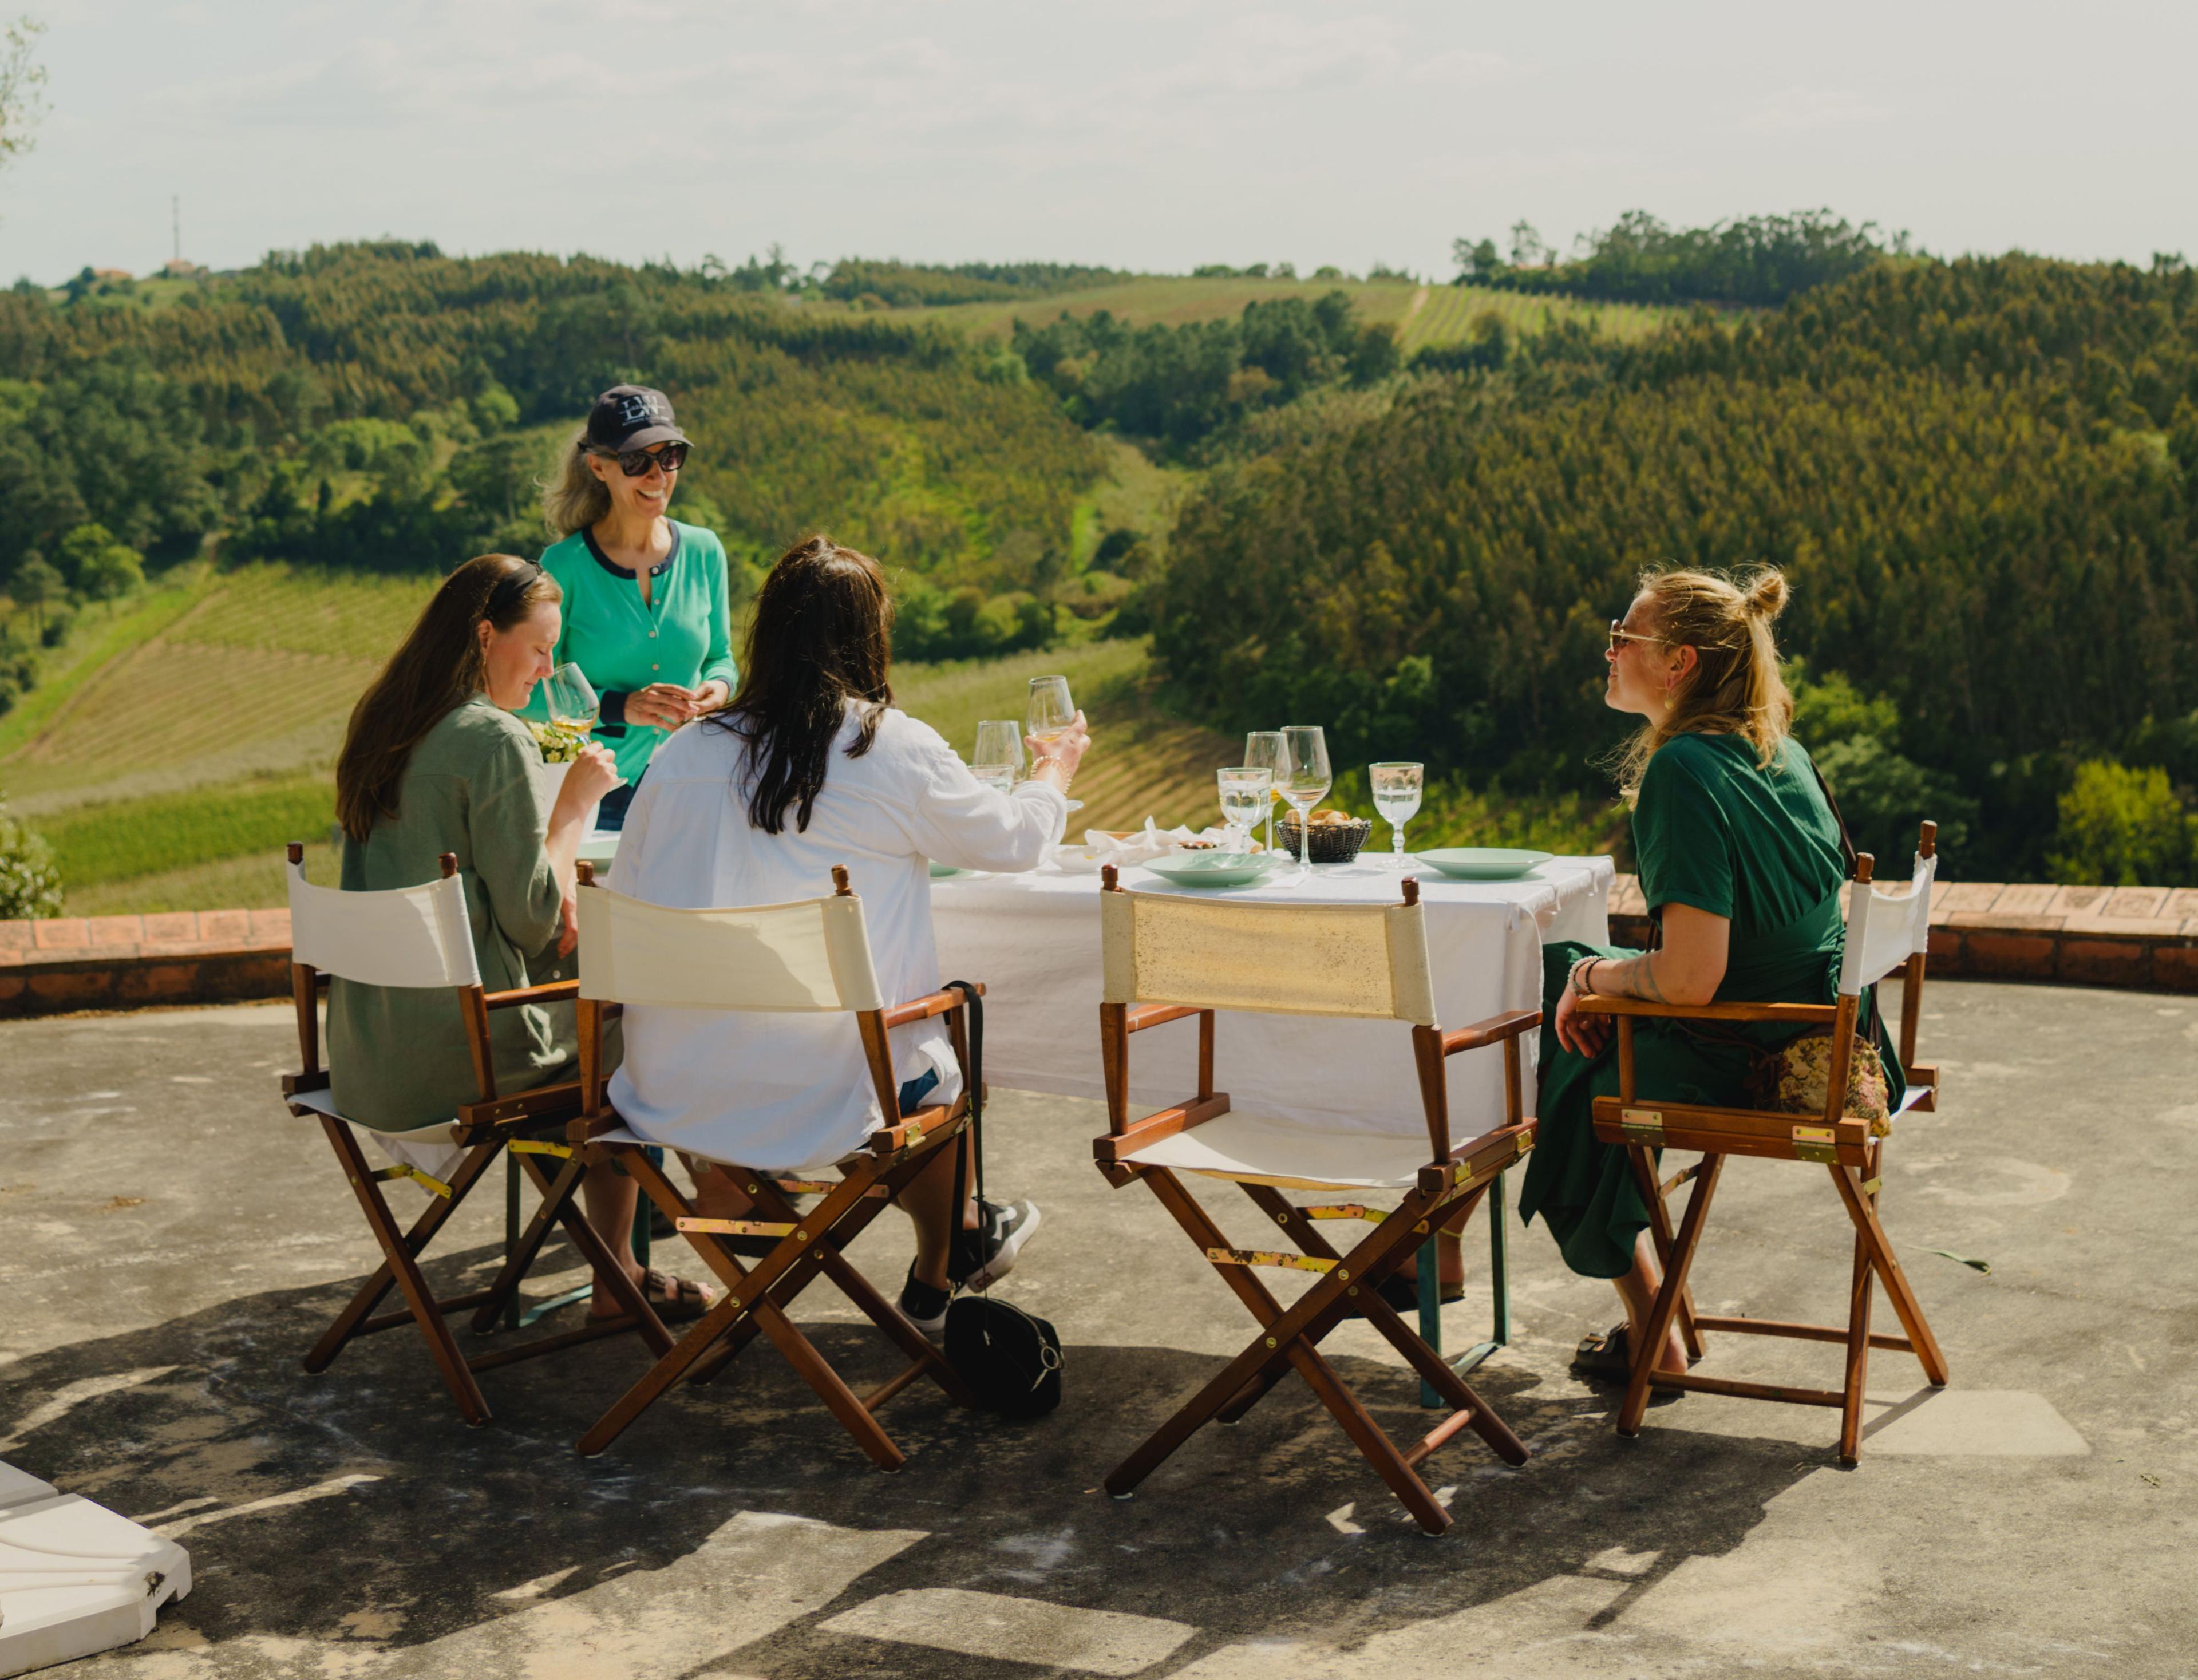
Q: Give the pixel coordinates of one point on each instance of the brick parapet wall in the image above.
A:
(2143, 937)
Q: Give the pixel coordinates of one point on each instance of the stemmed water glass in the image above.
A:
(998, 760)
(1246, 791)
(1306, 784)
(1265, 749)
(1397, 788)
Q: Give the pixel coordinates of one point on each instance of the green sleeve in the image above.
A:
(505, 823)
(1681, 840)
(718, 662)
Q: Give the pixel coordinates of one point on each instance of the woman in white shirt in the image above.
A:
(810, 766)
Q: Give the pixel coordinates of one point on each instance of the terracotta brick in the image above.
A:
(2174, 969)
(17, 935)
(229, 928)
(2182, 902)
(270, 928)
(2010, 956)
(12, 984)
(174, 948)
(172, 927)
(1965, 895)
(157, 983)
(1946, 950)
(1992, 919)
(115, 930)
(2077, 900)
(2106, 961)
(2023, 899)
(66, 933)
(71, 987)
(2138, 902)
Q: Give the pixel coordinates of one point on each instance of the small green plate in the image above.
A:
(941, 871)
(1213, 868)
(1483, 863)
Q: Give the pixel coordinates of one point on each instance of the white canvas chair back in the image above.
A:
(1367, 961)
(1886, 926)
(409, 936)
(808, 956)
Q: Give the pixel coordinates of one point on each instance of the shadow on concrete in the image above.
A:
(1273, 1529)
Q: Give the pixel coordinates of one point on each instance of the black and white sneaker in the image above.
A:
(924, 1306)
(985, 1256)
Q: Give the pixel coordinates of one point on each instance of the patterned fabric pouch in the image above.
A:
(1796, 1079)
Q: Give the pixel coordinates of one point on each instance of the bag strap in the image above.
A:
(973, 1151)
(1847, 840)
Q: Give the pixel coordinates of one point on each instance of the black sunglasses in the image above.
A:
(633, 462)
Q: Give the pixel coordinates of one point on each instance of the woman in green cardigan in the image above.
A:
(647, 616)
(1740, 858)
(434, 761)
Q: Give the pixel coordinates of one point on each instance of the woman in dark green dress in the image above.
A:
(1739, 855)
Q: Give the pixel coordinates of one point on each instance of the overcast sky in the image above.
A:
(1129, 134)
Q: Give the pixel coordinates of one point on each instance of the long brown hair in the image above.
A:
(438, 667)
(1736, 687)
(821, 636)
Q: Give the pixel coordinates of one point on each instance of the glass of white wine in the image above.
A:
(1050, 713)
(1246, 791)
(1306, 784)
(998, 761)
(572, 700)
(1265, 749)
(1397, 788)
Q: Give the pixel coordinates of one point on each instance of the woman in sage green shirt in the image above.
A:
(1740, 858)
(434, 761)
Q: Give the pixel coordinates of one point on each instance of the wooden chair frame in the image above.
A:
(758, 1294)
(1839, 1143)
(485, 1128)
(1444, 1195)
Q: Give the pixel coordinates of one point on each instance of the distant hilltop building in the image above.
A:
(110, 274)
(183, 268)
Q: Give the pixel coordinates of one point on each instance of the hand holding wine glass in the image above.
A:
(1059, 737)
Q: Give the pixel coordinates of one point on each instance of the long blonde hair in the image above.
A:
(438, 667)
(1736, 687)
(576, 498)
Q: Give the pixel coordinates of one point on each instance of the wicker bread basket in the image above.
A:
(1332, 842)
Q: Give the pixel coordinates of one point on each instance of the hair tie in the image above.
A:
(509, 589)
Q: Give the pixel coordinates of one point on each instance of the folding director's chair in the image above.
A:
(418, 936)
(1171, 958)
(810, 956)
(1885, 931)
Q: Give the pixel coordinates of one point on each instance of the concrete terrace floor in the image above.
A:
(171, 1242)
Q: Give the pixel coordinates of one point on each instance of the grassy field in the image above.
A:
(1423, 315)
(181, 745)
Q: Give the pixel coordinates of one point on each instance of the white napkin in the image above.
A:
(1101, 848)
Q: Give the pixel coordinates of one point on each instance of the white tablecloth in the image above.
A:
(1033, 941)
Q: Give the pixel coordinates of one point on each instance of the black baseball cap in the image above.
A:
(633, 417)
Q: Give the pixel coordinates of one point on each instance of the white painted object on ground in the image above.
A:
(76, 1579)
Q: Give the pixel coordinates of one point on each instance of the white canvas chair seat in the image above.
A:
(429, 1147)
(1246, 1149)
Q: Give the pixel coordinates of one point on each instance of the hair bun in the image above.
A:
(1765, 595)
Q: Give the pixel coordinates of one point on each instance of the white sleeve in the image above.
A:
(951, 817)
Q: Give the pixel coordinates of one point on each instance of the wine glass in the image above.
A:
(1305, 782)
(1266, 748)
(998, 760)
(1246, 791)
(572, 700)
(1396, 789)
(1050, 713)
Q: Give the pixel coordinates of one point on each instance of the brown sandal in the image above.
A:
(1608, 1358)
(676, 1299)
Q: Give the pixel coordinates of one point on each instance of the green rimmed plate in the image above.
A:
(1214, 868)
(1483, 863)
